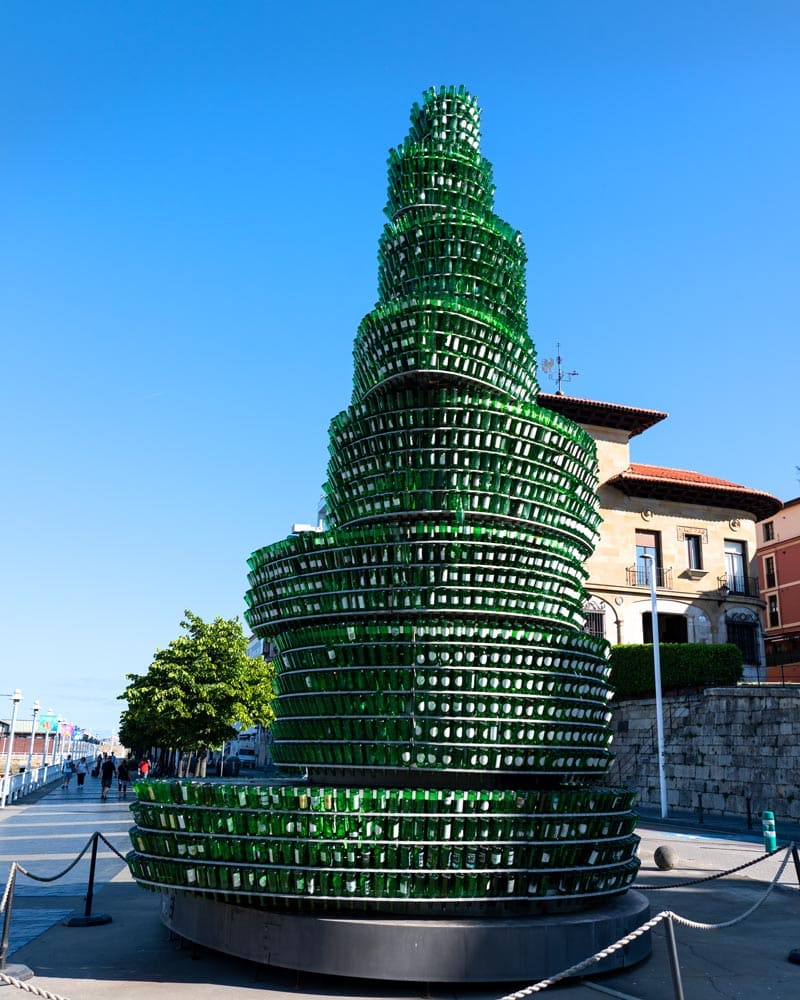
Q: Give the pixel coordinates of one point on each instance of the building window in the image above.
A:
(595, 622)
(694, 551)
(671, 628)
(735, 566)
(743, 635)
(648, 543)
(772, 611)
(769, 531)
(769, 572)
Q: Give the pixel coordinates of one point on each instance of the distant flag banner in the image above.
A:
(49, 723)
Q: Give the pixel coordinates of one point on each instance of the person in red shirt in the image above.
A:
(144, 767)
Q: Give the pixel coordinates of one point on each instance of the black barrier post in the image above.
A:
(796, 859)
(674, 966)
(88, 919)
(7, 917)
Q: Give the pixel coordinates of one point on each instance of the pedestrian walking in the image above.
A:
(81, 770)
(67, 770)
(144, 767)
(123, 779)
(107, 772)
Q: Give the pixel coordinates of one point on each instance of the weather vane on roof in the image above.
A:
(547, 365)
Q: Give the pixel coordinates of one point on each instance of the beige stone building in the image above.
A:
(697, 531)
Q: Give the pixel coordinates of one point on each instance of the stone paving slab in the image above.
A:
(28, 924)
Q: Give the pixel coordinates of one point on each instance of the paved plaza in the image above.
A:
(133, 956)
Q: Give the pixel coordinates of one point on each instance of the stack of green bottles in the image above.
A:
(316, 555)
(443, 694)
(458, 256)
(442, 850)
(431, 637)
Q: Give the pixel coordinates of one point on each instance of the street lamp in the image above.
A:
(58, 739)
(662, 781)
(35, 707)
(16, 698)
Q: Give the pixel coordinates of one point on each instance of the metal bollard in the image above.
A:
(796, 859)
(90, 919)
(768, 826)
(674, 964)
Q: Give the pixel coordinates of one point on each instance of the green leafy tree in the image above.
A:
(197, 688)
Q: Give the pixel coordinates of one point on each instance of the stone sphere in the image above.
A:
(666, 858)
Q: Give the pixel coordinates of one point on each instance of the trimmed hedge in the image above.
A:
(683, 665)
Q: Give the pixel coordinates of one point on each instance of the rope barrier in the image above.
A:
(9, 883)
(573, 971)
(737, 920)
(111, 846)
(53, 878)
(543, 984)
(711, 878)
(30, 988)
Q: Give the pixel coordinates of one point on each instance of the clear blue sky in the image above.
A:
(191, 201)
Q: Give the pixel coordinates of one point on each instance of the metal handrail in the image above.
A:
(24, 782)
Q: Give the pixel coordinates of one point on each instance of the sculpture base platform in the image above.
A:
(417, 950)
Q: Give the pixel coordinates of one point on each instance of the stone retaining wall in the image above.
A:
(724, 748)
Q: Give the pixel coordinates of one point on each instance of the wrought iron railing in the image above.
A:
(783, 656)
(639, 576)
(746, 585)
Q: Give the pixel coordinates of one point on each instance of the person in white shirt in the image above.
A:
(67, 770)
(81, 770)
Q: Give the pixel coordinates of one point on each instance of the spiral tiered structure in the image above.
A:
(434, 677)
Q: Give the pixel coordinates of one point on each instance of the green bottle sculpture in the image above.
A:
(434, 677)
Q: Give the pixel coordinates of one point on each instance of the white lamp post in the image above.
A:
(58, 739)
(28, 776)
(35, 708)
(16, 698)
(662, 781)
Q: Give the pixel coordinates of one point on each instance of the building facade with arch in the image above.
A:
(695, 533)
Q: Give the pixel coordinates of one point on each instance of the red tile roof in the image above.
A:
(680, 476)
(593, 412)
(684, 486)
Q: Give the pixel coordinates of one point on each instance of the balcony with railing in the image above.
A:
(747, 586)
(639, 576)
(782, 657)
